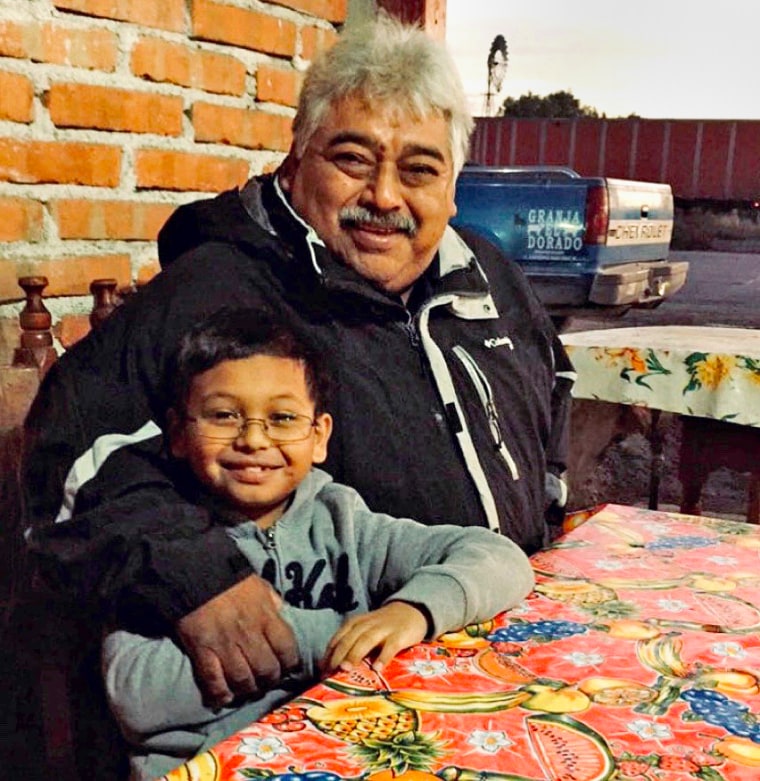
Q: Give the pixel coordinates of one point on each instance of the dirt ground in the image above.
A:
(623, 473)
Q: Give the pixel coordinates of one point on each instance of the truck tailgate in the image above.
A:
(640, 222)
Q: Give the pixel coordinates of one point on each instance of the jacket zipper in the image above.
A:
(414, 340)
(485, 393)
(269, 535)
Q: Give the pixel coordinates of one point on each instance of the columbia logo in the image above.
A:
(499, 341)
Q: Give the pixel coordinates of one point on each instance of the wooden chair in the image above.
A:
(55, 720)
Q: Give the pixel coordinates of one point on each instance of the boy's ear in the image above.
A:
(323, 425)
(176, 434)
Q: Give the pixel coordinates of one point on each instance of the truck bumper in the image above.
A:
(637, 284)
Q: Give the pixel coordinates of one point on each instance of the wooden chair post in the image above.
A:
(104, 300)
(36, 343)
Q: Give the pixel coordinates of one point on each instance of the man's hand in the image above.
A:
(238, 643)
(387, 630)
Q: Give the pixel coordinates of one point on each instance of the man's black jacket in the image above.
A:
(453, 409)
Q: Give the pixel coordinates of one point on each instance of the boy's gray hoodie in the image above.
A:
(329, 557)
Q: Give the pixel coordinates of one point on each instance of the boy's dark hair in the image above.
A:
(232, 334)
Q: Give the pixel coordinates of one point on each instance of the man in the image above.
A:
(452, 387)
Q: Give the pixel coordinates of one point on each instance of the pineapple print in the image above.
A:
(383, 729)
(358, 718)
(576, 592)
(383, 735)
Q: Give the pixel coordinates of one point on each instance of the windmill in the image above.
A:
(497, 69)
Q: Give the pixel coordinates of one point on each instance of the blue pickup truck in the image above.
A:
(586, 243)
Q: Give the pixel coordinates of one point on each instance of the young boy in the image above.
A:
(248, 419)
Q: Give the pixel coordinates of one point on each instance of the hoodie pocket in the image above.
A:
(485, 394)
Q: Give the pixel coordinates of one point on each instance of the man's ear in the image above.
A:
(451, 197)
(176, 434)
(287, 170)
(323, 425)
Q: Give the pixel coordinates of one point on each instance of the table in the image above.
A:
(696, 372)
(636, 657)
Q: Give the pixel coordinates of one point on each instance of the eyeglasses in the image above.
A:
(226, 425)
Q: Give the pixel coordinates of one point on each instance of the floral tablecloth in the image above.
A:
(636, 657)
(690, 370)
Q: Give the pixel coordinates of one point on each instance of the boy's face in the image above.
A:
(251, 472)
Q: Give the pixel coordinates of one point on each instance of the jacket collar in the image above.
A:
(454, 270)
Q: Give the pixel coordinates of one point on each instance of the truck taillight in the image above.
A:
(597, 215)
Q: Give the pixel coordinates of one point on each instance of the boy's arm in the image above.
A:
(458, 574)
(426, 580)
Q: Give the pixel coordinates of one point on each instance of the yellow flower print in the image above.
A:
(714, 369)
(708, 370)
(752, 367)
(630, 357)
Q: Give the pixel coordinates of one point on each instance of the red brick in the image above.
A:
(241, 127)
(332, 10)
(20, 219)
(159, 60)
(249, 29)
(60, 162)
(12, 40)
(164, 14)
(90, 48)
(147, 271)
(16, 97)
(71, 328)
(67, 276)
(164, 170)
(127, 220)
(106, 108)
(277, 85)
(80, 48)
(316, 39)
(72, 275)
(9, 289)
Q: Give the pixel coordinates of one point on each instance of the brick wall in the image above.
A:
(113, 112)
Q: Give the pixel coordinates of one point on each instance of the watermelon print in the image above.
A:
(636, 657)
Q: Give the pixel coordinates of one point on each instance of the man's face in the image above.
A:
(377, 185)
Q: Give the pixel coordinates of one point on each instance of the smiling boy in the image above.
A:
(248, 421)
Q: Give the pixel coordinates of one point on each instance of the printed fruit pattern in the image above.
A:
(288, 718)
(653, 766)
(382, 734)
(620, 673)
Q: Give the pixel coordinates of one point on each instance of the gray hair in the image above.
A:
(386, 62)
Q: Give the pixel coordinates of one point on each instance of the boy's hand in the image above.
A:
(387, 630)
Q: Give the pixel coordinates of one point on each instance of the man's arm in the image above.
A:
(559, 437)
(151, 686)
(105, 522)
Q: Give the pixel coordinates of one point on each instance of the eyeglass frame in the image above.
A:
(245, 422)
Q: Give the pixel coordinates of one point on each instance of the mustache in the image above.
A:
(359, 216)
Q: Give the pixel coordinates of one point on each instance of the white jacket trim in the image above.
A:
(90, 462)
(445, 386)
